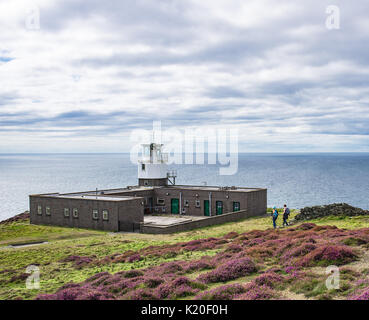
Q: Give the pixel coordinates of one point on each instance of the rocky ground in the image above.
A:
(336, 209)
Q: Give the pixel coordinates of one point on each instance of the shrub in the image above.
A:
(230, 270)
(171, 267)
(199, 265)
(135, 257)
(231, 235)
(19, 277)
(329, 254)
(306, 226)
(227, 292)
(153, 282)
(354, 241)
(133, 274)
(269, 279)
(255, 292)
(141, 294)
(362, 295)
(78, 261)
(177, 288)
(233, 248)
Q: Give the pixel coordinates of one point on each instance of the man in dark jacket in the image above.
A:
(286, 213)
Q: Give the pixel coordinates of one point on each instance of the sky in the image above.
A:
(82, 75)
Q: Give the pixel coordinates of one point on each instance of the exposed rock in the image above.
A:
(18, 217)
(335, 209)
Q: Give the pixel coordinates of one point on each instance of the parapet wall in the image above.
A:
(190, 225)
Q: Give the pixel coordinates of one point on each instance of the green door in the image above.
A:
(219, 205)
(206, 208)
(174, 206)
(236, 206)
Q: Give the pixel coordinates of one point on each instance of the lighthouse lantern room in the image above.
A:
(152, 166)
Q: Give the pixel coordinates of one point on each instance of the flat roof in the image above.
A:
(109, 194)
(88, 197)
(214, 188)
(91, 197)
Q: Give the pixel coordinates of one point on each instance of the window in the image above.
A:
(143, 167)
(48, 211)
(39, 210)
(186, 203)
(105, 215)
(160, 201)
(146, 183)
(236, 206)
(197, 203)
(95, 214)
(75, 213)
(66, 212)
(147, 151)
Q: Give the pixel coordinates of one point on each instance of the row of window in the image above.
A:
(186, 202)
(236, 205)
(67, 211)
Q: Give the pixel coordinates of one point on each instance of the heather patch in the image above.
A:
(153, 282)
(117, 269)
(362, 295)
(230, 270)
(309, 284)
(256, 292)
(78, 261)
(199, 265)
(233, 248)
(361, 290)
(327, 255)
(231, 235)
(133, 273)
(295, 252)
(269, 279)
(77, 293)
(178, 288)
(355, 241)
(227, 292)
(19, 277)
(141, 294)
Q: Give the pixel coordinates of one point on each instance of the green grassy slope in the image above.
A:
(64, 242)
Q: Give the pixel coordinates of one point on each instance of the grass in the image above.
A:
(64, 242)
(23, 232)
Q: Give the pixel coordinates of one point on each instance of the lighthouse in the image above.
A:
(152, 166)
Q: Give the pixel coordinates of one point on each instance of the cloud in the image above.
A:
(95, 71)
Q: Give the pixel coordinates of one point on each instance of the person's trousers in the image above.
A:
(274, 223)
(285, 222)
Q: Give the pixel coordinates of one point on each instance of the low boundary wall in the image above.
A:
(190, 225)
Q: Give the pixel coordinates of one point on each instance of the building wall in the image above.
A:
(118, 210)
(126, 215)
(153, 182)
(253, 201)
(131, 215)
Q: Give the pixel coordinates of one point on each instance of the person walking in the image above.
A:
(275, 217)
(286, 213)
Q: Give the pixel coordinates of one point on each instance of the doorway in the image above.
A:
(174, 204)
(206, 208)
(219, 205)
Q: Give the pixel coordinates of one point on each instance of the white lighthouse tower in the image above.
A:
(152, 167)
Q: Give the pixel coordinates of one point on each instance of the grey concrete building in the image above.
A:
(156, 195)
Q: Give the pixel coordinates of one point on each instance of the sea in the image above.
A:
(297, 180)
